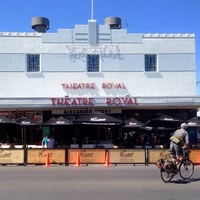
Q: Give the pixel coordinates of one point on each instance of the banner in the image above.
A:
(11, 156)
(129, 156)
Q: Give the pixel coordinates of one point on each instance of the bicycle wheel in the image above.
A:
(186, 169)
(166, 175)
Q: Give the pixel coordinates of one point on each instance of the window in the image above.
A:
(93, 63)
(33, 61)
(150, 62)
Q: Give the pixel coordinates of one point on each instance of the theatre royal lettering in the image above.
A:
(92, 86)
(80, 51)
(109, 101)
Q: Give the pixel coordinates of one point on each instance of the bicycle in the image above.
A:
(169, 168)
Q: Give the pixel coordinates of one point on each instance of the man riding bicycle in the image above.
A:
(179, 140)
(178, 149)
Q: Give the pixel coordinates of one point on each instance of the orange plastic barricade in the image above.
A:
(107, 163)
(78, 160)
(47, 163)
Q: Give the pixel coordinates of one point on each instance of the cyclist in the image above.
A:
(179, 140)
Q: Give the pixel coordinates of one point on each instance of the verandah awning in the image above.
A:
(74, 102)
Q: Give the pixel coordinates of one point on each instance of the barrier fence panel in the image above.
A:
(87, 156)
(127, 156)
(11, 156)
(195, 156)
(153, 155)
(38, 156)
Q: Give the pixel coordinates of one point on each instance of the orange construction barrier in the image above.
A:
(107, 163)
(78, 160)
(47, 163)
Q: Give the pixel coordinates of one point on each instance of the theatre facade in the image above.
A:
(97, 68)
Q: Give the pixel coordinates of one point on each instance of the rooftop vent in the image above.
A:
(40, 24)
(114, 22)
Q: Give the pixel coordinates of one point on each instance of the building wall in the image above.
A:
(63, 61)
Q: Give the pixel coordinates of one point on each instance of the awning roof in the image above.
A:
(77, 102)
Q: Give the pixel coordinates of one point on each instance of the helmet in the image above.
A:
(184, 125)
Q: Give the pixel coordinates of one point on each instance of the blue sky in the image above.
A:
(138, 16)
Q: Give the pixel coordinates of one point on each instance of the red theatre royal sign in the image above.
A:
(94, 101)
(92, 86)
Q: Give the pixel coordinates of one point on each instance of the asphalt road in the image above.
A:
(122, 182)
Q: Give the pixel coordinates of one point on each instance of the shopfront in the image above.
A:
(91, 131)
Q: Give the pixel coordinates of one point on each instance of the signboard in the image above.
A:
(14, 115)
(11, 156)
(87, 156)
(128, 156)
(38, 156)
(78, 111)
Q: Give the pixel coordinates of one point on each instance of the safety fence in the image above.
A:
(88, 156)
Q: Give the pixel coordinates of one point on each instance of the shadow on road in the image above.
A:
(185, 181)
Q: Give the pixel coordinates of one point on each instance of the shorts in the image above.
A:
(175, 149)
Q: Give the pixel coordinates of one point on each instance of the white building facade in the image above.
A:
(97, 68)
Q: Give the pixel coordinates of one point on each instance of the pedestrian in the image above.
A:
(51, 142)
(45, 141)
